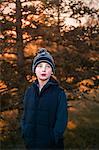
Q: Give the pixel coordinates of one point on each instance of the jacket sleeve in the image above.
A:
(61, 117)
(24, 111)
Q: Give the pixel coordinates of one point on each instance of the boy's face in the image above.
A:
(43, 71)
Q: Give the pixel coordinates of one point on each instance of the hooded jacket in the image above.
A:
(45, 115)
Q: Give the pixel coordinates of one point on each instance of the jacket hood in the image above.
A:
(51, 81)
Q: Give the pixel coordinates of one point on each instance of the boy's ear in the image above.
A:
(52, 73)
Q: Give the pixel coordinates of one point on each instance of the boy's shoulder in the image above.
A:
(60, 88)
(62, 91)
(28, 88)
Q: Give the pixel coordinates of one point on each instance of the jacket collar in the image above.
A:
(51, 81)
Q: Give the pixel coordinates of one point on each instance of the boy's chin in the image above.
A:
(44, 79)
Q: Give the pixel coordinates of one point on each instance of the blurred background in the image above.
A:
(69, 29)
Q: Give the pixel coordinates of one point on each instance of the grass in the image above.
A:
(83, 126)
(82, 138)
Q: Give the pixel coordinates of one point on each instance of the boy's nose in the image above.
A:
(43, 68)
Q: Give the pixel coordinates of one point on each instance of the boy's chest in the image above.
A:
(45, 100)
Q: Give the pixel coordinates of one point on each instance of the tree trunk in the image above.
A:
(19, 41)
(58, 23)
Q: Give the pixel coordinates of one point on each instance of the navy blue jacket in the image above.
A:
(45, 115)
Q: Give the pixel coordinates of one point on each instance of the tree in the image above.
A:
(27, 21)
(18, 27)
(19, 40)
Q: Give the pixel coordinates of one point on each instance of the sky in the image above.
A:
(68, 21)
(92, 3)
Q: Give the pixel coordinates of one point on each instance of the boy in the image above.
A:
(45, 107)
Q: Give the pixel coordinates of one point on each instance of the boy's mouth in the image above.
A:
(43, 74)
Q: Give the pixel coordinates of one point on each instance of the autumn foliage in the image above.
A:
(29, 25)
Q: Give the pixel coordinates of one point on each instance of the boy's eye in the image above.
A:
(48, 66)
(39, 65)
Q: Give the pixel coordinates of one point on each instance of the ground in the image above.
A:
(83, 125)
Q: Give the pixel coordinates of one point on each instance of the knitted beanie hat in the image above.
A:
(43, 56)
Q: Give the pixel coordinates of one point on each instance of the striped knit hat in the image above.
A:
(43, 56)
